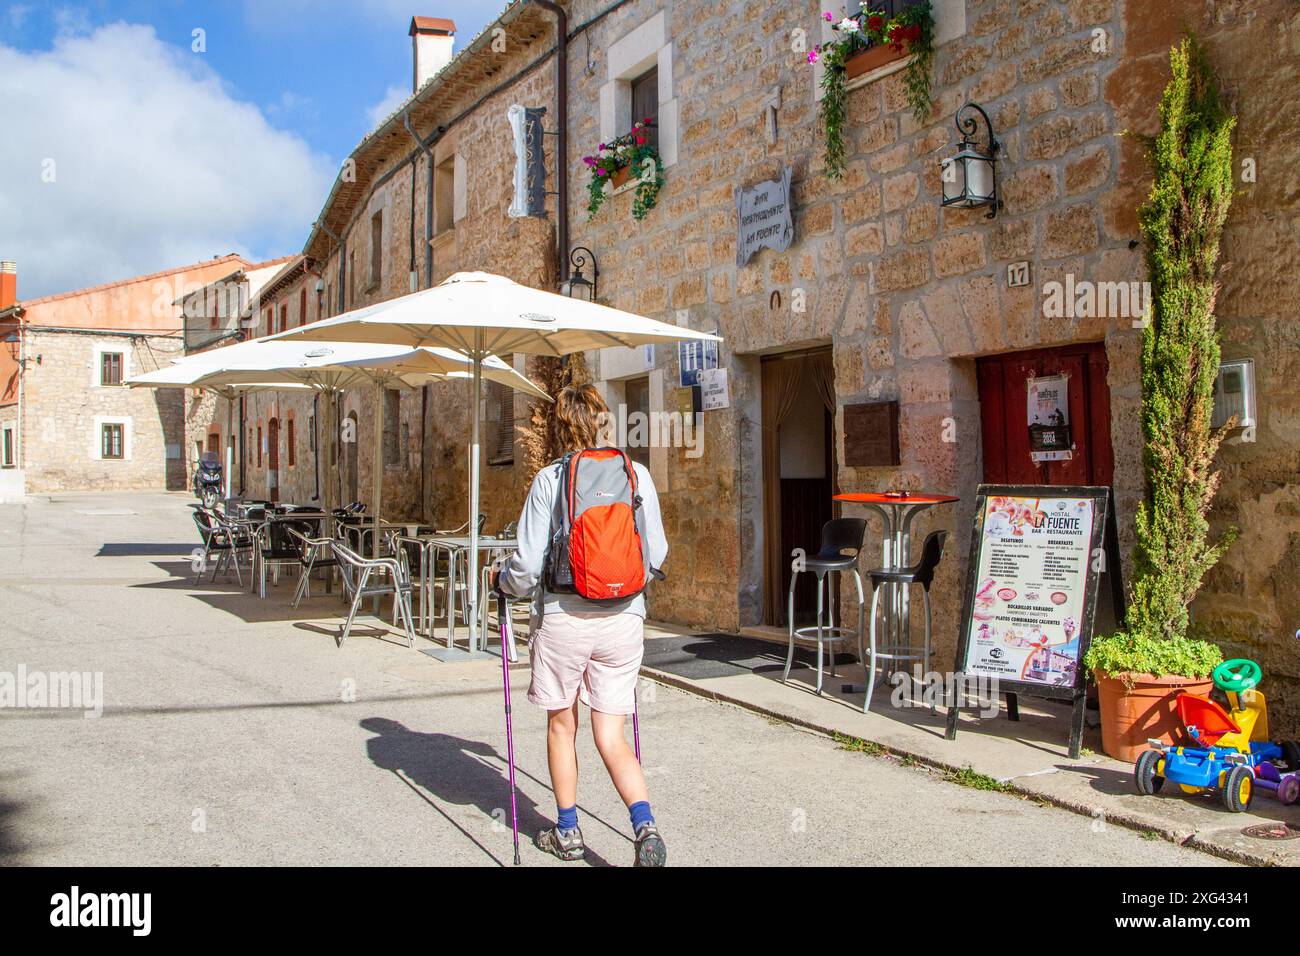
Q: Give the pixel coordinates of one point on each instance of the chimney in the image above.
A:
(8, 284)
(431, 40)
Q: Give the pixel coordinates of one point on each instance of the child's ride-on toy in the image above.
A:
(1233, 753)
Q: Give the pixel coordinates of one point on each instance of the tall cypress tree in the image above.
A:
(1182, 221)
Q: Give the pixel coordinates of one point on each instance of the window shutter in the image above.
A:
(500, 444)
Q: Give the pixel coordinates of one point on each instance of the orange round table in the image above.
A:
(896, 512)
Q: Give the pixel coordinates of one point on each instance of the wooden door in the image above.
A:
(1002, 391)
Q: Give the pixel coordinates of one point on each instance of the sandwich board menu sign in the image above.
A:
(1037, 556)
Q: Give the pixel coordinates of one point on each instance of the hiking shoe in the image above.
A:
(566, 844)
(650, 849)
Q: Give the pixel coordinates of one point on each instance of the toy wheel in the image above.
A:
(1144, 772)
(1238, 789)
(1236, 675)
(1291, 754)
(1288, 789)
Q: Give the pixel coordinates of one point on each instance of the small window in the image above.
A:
(112, 446)
(292, 445)
(268, 321)
(302, 306)
(110, 368)
(352, 280)
(376, 248)
(500, 444)
(444, 195)
(392, 425)
(645, 104)
(284, 317)
(8, 453)
(259, 446)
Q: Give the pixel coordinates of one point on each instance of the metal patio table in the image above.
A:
(897, 511)
(453, 545)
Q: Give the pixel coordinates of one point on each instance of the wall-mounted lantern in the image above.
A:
(578, 286)
(970, 178)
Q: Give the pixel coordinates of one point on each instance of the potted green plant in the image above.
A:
(864, 43)
(1141, 669)
(618, 160)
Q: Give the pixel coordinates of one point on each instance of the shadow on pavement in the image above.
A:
(451, 770)
(137, 549)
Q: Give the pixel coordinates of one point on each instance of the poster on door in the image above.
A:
(1048, 415)
(1033, 577)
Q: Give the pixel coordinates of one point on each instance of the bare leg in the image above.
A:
(620, 760)
(562, 753)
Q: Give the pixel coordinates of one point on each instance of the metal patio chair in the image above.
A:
(394, 578)
(223, 539)
(314, 554)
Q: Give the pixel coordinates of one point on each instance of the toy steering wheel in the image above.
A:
(1236, 675)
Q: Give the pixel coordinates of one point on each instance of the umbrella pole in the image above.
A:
(378, 462)
(472, 570)
(230, 445)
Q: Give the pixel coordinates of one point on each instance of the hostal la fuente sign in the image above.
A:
(764, 218)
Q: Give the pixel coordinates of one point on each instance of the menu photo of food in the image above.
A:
(1030, 589)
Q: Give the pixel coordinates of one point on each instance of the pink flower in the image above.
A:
(828, 16)
(814, 54)
(589, 160)
(601, 172)
(640, 140)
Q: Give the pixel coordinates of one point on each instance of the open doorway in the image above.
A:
(798, 472)
(273, 459)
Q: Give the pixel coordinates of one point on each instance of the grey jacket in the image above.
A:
(522, 574)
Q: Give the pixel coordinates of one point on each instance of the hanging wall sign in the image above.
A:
(694, 355)
(714, 393)
(1037, 557)
(764, 217)
(1048, 415)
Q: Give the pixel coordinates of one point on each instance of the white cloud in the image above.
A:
(154, 163)
(394, 97)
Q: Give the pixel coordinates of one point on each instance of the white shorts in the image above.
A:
(593, 656)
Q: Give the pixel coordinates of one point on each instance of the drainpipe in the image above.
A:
(428, 200)
(562, 137)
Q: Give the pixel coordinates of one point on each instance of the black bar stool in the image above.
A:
(921, 573)
(841, 543)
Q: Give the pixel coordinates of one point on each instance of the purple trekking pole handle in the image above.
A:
(502, 612)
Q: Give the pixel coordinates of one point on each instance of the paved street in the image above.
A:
(234, 731)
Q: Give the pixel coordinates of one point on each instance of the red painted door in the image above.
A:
(1005, 429)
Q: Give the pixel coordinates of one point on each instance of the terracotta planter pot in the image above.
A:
(874, 58)
(1130, 717)
(620, 177)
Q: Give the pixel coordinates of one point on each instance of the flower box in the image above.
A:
(873, 58)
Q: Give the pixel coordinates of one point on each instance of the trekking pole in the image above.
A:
(502, 612)
(636, 726)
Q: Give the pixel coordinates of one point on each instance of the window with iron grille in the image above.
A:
(110, 368)
(259, 446)
(500, 439)
(291, 444)
(111, 444)
(376, 248)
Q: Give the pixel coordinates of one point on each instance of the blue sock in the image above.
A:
(566, 818)
(640, 814)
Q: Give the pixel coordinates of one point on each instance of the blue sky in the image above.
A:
(133, 152)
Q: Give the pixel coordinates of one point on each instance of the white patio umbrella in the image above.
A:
(334, 366)
(185, 374)
(479, 314)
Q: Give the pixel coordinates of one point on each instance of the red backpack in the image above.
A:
(598, 547)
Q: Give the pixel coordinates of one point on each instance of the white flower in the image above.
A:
(847, 25)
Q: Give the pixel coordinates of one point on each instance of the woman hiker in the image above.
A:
(589, 649)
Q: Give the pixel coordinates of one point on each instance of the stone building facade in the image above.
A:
(907, 301)
(70, 421)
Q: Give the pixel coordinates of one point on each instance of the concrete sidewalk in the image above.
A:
(1029, 756)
